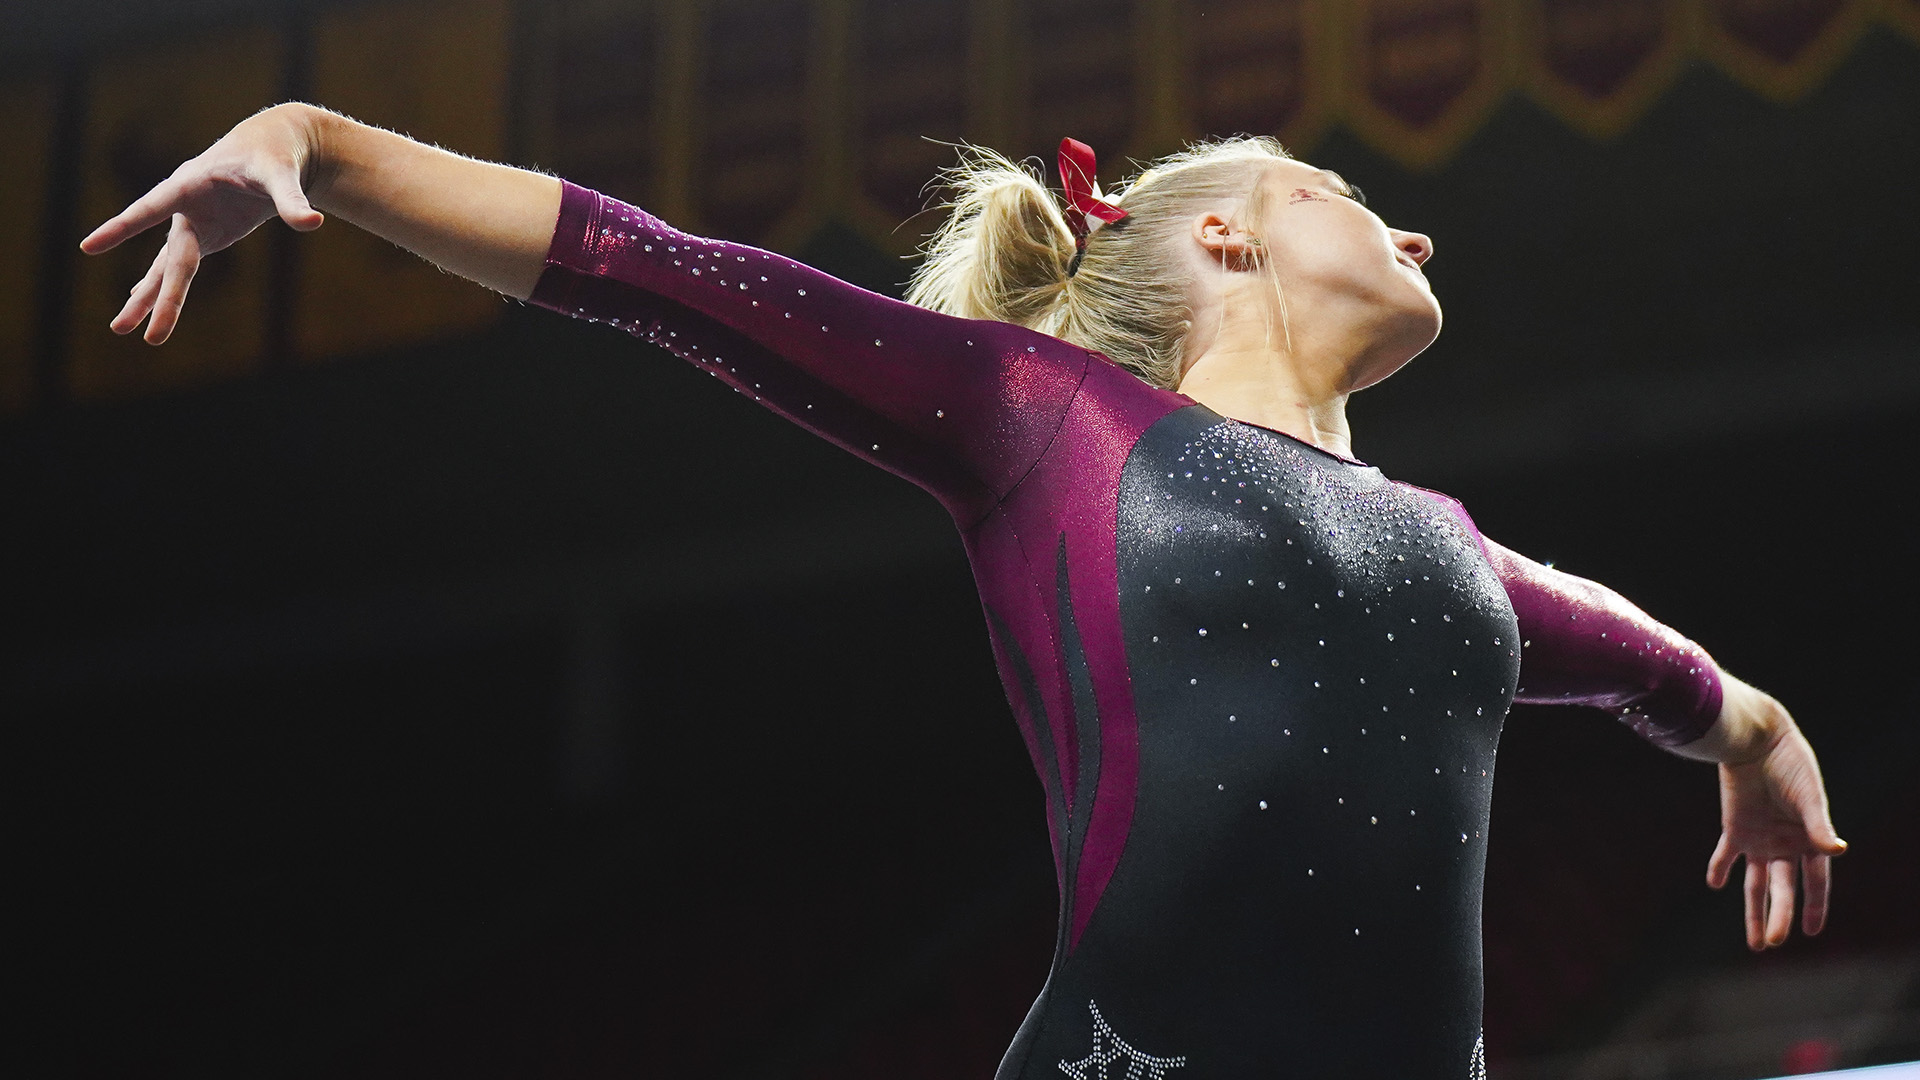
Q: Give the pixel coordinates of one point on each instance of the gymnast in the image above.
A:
(1261, 684)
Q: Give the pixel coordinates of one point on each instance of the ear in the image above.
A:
(1226, 245)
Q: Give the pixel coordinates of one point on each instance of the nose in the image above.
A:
(1418, 246)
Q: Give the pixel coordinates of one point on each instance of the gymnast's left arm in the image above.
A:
(1583, 643)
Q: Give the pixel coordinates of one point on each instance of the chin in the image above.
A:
(1413, 335)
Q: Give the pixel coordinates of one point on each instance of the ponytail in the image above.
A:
(1005, 252)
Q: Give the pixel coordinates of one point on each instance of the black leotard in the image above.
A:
(1262, 685)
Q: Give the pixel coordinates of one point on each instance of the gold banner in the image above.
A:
(26, 130)
(437, 71)
(148, 113)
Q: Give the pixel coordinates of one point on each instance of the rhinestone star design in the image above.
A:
(1109, 1048)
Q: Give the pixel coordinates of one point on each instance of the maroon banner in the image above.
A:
(1420, 58)
(605, 100)
(751, 145)
(1252, 65)
(1080, 71)
(1596, 47)
(1778, 30)
(1903, 14)
(910, 87)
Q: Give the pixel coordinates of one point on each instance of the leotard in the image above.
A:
(1261, 684)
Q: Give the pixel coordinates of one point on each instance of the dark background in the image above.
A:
(523, 704)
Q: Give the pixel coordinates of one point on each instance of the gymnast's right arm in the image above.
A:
(488, 223)
(961, 407)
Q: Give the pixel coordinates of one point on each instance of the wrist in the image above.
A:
(1751, 724)
(321, 134)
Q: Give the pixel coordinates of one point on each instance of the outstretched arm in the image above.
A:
(961, 407)
(1584, 643)
(486, 222)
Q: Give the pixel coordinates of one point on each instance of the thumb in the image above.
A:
(1821, 833)
(1819, 824)
(292, 205)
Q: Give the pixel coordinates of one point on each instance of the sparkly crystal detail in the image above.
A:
(1109, 1048)
(1477, 1068)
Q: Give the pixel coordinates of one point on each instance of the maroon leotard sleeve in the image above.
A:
(1584, 644)
(961, 407)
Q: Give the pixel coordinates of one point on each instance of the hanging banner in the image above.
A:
(605, 98)
(437, 71)
(26, 130)
(1780, 49)
(1598, 64)
(750, 139)
(910, 72)
(1259, 67)
(149, 112)
(1903, 15)
(1421, 75)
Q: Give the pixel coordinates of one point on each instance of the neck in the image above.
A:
(1240, 375)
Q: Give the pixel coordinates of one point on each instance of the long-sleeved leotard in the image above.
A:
(1261, 684)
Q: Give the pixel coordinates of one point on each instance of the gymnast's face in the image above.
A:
(1352, 285)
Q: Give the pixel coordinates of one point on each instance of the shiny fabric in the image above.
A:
(1077, 180)
(1266, 864)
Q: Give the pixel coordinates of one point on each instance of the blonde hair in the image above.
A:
(1005, 251)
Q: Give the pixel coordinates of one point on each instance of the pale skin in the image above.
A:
(1357, 308)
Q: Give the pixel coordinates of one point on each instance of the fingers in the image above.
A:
(140, 297)
(1720, 863)
(183, 260)
(1781, 878)
(1756, 905)
(145, 212)
(1818, 877)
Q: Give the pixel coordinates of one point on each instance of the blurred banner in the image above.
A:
(910, 69)
(610, 97)
(1260, 66)
(1904, 14)
(439, 72)
(766, 120)
(759, 111)
(800, 111)
(1780, 48)
(1420, 75)
(26, 130)
(1081, 74)
(1599, 65)
(148, 112)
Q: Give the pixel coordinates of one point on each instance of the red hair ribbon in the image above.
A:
(1077, 172)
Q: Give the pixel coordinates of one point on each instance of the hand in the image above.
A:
(1773, 813)
(254, 173)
